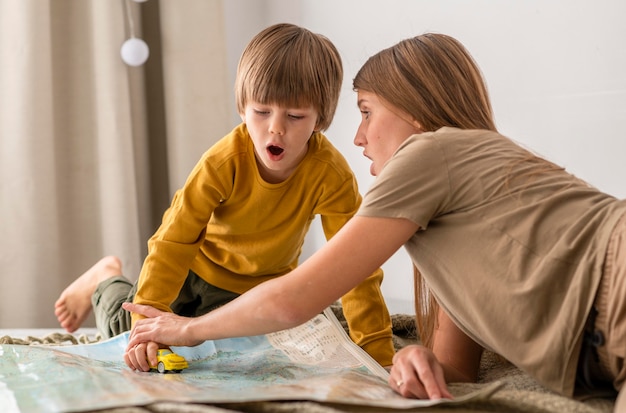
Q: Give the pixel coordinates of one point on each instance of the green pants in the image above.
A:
(196, 297)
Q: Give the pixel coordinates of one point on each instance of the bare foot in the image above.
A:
(74, 304)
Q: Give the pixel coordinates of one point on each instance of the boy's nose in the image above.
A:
(276, 127)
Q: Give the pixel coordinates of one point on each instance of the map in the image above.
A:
(315, 361)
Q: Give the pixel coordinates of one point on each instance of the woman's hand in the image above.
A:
(416, 373)
(159, 327)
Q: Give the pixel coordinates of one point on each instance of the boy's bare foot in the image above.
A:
(74, 304)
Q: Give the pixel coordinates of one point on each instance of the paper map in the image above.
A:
(315, 361)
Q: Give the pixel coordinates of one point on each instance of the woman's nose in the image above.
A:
(359, 138)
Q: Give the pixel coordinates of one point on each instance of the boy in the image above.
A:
(241, 217)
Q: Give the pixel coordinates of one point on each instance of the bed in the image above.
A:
(518, 392)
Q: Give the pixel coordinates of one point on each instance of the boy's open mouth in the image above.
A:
(275, 150)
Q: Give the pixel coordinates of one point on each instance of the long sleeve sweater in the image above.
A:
(236, 231)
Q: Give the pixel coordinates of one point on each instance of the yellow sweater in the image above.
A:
(236, 231)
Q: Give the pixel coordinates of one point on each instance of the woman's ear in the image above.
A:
(418, 126)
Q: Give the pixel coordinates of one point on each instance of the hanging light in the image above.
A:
(134, 51)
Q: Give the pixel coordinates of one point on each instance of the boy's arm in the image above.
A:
(364, 307)
(176, 242)
(368, 319)
(170, 252)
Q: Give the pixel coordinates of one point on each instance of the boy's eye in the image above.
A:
(296, 117)
(260, 112)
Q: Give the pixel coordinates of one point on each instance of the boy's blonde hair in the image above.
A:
(290, 66)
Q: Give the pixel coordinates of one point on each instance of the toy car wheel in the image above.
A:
(161, 367)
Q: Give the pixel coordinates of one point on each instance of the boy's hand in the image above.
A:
(137, 356)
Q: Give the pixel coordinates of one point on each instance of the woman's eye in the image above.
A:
(365, 114)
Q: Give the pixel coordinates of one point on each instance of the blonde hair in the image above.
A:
(290, 66)
(432, 78)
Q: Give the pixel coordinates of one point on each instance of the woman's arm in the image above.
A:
(459, 355)
(347, 259)
(421, 373)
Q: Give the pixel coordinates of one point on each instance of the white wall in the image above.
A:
(556, 71)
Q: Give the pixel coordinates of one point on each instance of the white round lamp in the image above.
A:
(135, 52)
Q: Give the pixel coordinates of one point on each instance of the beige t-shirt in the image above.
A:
(514, 255)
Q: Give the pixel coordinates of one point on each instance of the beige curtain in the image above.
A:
(91, 149)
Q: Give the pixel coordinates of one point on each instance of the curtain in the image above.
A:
(91, 149)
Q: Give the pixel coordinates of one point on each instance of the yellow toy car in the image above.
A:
(169, 362)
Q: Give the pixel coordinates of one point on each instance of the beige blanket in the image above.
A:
(519, 394)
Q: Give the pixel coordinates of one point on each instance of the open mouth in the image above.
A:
(275, 150)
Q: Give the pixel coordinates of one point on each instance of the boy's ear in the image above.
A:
(243, 117)
(317, 127)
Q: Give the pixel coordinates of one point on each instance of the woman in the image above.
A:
(518, 256)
